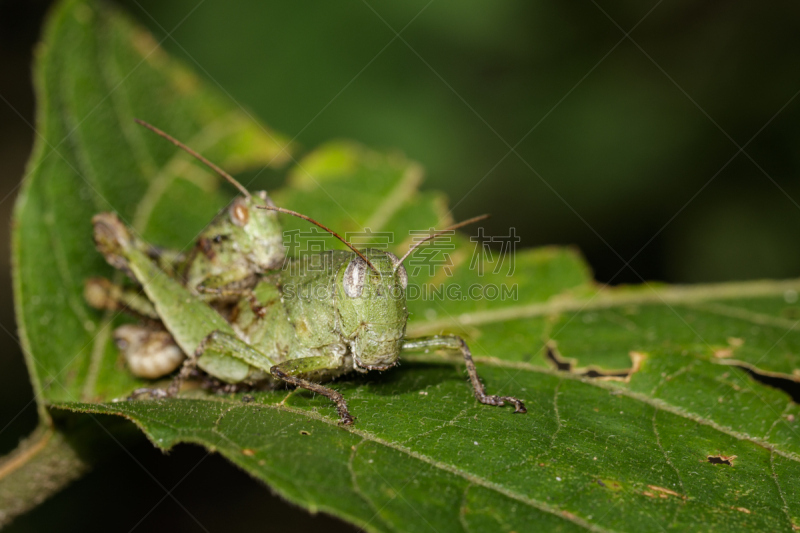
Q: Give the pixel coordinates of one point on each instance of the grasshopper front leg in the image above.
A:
(289, 371)
(104, 294)
(454, 342)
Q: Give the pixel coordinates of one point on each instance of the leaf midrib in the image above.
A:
(605, 298)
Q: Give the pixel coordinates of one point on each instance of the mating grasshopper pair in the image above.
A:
(244, 321)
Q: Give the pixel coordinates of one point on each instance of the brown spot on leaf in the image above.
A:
(249, 452)
(304, 432)
(723, 353)
(610, 484)
(789, 383)
(741, 509)
(735, 342)
(554, 357)
(721, 459)
(664, 492)
(568, 365)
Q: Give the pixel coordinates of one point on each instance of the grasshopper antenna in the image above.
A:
(441, 231)
(194, 154)
(309, 219)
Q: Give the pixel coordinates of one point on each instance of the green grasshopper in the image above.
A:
(301, 325)
(240, 243)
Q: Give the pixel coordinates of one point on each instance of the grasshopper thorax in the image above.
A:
(371, 305)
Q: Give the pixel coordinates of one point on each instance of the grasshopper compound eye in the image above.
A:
(403, 275)
(354, 276)
(239, 213)
(400, 269)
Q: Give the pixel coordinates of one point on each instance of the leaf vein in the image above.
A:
(178, 165)
(609, 298)
(397, 197)
(669, 462)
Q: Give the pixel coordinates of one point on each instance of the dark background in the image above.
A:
(627, 148)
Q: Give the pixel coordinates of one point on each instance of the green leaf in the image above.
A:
(653, 421)
(95, 73)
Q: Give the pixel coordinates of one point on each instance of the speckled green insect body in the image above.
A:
(340, 310)
(321, 316)
(239, 244)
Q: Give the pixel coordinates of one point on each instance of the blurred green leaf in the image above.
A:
(96, 72)
(653, 384)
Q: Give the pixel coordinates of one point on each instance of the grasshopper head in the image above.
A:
(372, 308)
(240, 238)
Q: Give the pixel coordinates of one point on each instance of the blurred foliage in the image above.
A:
(626, 147)
(423, 452)
(615, 136)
